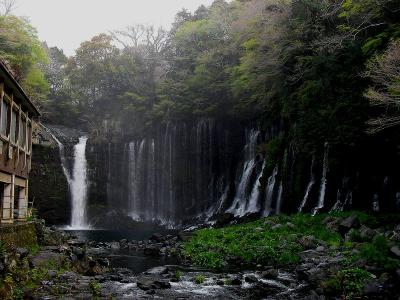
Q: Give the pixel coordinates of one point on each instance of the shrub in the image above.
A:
(95, 288)
(178, 275)
(348, 282)
(199, 279)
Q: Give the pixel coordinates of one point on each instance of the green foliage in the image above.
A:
(95, 288)
(297, 63)
(377, 253)
(347, 282)
(199, 279)
(178, 275)
(255, 242)
(20, 46)
(33, 249)
(273, 152)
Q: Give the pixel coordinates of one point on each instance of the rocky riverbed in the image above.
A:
(92, 275)
(65, 267)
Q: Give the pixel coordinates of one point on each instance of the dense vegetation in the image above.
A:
(279, 241)
(362, 253)
(309, 65)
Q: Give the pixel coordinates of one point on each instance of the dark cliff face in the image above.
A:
(48, 187)
(185, 171)
(182, 173)
(173, 174)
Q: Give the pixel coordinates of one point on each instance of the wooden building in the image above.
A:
(17, 113)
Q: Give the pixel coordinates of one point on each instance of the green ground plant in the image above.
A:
(199, 279)
(347, 282)
(257, 242)
(267, 243)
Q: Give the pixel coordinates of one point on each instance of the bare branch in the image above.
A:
(7, 7)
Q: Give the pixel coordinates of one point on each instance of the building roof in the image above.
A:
(19, 93)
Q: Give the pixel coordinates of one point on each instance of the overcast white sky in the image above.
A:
(67, 23)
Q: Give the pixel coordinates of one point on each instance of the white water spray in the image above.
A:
(238, 207)
(254, 205)
(79, 186)
(270, 192)
(62, 155)
(279, 199)
(321, 200)
(309, 188)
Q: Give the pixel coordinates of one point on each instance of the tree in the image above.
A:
(7, 7)
(384, 71)
(20, 46)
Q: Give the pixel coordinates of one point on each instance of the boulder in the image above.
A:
(277, 226)
(395, 251)
(308, 242)
(270, 274)
(157, 271)
(251, 278)
(269, 223)
(224, 219)
(348, 223)
(68, 276)
(366, 233)
(79, 252)
(22, 252)
(52, 274)
(290, 225)
(115, 246)
(185, 235)
(372, 288)
(147, 283)
(236, 280)
(103, 262)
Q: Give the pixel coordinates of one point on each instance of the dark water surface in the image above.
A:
(134, 260)
(117, 235)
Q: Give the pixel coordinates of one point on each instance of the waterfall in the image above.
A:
(321, 198)
(184, 171)
(254, 205)
(375, 203)
(338, 206)
(132, 205)
(344, 190)
(240, 201)
(309, 188)
(270, 192)
(79, 186)
(62, 155)
(279, 199)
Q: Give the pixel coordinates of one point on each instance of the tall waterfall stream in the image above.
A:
(79, 186)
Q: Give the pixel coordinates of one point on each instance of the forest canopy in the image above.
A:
(317, 67)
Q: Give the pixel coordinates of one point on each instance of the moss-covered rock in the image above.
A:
(18, 235)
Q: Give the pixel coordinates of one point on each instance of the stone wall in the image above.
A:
(18, 235)
(48, 187)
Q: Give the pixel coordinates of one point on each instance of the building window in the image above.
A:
(4, 118)
(22, 134)
(14, 127)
